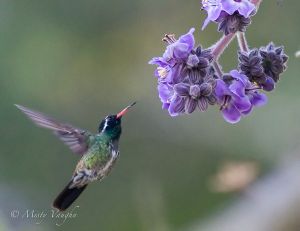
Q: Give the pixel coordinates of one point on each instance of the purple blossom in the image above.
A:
(184, 67)
(274, 60)
(251, 65)
(177, 54)
(219, 9)
(191, 78)
(238, 97)
(179, 50)
(165, 93)
(170, 101)
(213, 8)
(244, 7)
(196, 95)
(186, 96)
(232, 23)
(182, 59)
(263, 66)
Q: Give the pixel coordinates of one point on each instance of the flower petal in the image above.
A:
(203, 104)
(181, 50)
(230, 6)
(238, 76)
(182, 89)
(247, 112)
(246, 8)
(238, 88)
(231, 114)
(206, 22)
(176, 106)
(165, 92)
(241, 103)
(159, 61)
(221, 90)
(206, 89)
(176, 74)
(165, 106)
(213, 13)
(188, 39)
(259, 99)
(190, 105)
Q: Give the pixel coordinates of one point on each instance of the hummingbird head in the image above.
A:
(111, 125)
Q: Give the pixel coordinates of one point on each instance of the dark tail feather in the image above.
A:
(67, 197)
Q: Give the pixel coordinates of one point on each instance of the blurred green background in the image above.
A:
(81, 60)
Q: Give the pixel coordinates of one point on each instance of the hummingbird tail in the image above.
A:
(67, 197)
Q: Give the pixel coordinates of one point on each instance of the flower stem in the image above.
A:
(221, 45)
(218, 69)
(242, 41)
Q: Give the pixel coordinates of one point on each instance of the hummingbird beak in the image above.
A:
(125, 110)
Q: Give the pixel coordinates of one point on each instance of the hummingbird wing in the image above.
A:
(78, 140)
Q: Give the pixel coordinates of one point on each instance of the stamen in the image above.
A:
(225, 103)
(162, 72)
(169, 38)
(207, 3)
(253, 89)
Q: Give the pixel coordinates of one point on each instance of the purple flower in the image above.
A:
(274, 60)
(242, 87)
(244, 7)
(190, 78)
(178, 54)
(213, 8)
(218, 10)
(165, 93)
(179, 49)
(227, 101)
(232, 23)
(182, 59)
(196, 95)
(183, 64)
(263, 66)
(251, 65)
(238, 97)
(170, 101)
(186, 96)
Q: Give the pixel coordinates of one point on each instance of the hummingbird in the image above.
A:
(98, 152)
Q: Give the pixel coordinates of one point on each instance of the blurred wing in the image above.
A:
(78, 140)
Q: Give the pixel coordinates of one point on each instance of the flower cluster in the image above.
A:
(190, 77)
(263, 66)
(237, 96)
(185, 81)
(231, 15)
